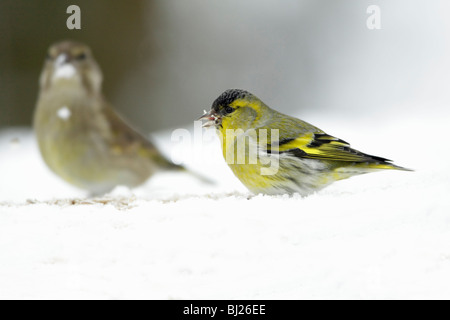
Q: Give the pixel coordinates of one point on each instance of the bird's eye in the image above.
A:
(229, 110)
(81, 56)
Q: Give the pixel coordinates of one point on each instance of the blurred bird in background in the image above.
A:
(307, 158)
(80, 136)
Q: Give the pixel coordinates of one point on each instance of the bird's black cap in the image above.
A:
(228, 97)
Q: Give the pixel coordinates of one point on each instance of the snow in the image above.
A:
(64, 113)
(381, 235)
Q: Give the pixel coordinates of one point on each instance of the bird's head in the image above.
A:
(71, 63)
(235, 109)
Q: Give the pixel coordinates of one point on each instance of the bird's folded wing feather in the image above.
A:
(123, 136)
(321, 146)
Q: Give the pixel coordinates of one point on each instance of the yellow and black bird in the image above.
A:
(273, 153)
(81, 138)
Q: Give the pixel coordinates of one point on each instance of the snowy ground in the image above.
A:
(383, 235)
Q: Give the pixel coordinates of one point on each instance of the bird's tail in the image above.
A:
(382, 166)
(379, 163)
(376, 164)
(166, 165)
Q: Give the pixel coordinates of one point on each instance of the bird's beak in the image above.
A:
(64, 68)
(211, 118)
(62, 59)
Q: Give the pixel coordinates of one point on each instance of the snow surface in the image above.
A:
(64, 113)
(382, 235)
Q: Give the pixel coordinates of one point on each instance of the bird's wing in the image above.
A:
(322, 146)
(123, 136)
(127, 141)
(303, 140)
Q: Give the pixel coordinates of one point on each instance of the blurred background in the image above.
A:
(164, 61)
